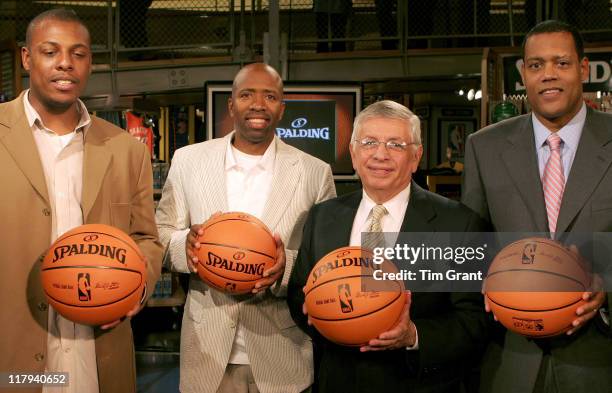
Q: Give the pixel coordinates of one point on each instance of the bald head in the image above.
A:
(250, 70)
(55, 14)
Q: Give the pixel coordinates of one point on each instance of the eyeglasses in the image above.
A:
(372, 144)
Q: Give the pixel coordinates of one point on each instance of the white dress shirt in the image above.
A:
(70, 346)
(248, 180)
(391, 224)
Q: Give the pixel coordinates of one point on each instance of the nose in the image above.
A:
(550, 71)
(65, 62)
(258, 101)
(381, 152)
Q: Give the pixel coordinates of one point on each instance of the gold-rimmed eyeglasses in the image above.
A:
(391, 145)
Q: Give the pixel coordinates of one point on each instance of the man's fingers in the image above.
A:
(111, 324)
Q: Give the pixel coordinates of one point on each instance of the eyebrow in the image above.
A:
(556, 57)
(75, 46)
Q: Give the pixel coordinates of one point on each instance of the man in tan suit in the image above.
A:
(60, 168)
(243, 343)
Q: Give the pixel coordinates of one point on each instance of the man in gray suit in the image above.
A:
(246, 343)
(508, 180)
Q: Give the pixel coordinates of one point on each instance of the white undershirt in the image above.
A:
(248, 180)
(70, 346)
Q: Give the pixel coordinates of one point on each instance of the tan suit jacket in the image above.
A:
(279, 352)
(117, 190)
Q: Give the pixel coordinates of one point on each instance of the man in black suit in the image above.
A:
(431, 344)
(505, 178)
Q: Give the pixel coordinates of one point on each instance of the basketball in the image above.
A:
(336, 304)
(539, 286)
(236, 248)
(94, 274)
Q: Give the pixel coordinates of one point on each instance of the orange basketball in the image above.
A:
(540, 284)
(337, 306)
(94, 274)
(236, 248)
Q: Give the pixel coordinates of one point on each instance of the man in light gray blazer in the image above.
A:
(245, 343)
(505, 176)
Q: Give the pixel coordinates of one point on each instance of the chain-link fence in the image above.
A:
(209, 27)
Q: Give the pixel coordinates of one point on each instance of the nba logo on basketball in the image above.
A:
(346, 301)
(84, 287)
(529, 253)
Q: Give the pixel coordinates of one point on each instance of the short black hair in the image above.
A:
(556, 26)
(61, 14)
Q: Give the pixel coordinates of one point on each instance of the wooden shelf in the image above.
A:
(177, 299)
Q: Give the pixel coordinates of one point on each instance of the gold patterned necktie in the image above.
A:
(375, 238)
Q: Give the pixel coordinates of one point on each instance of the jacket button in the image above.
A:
(39, 357)
(42, 306)
(46, 212)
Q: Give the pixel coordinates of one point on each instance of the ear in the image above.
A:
(417, 158)
(352, 152)
(25, 58)
(230, 106)
(522, 71)
(584, 69)
(282, 112)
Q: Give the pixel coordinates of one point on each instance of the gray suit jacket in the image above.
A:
(502, 184)
(279, 352)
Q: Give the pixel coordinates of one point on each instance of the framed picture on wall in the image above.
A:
(453, 134)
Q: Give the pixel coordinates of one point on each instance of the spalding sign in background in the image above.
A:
(310, 126)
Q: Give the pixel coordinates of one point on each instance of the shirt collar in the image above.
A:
(266, 162)
(569, 133)
(395, 206)
(35, 120)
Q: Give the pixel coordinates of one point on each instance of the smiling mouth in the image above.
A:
(380, 171)
(64, 84)
(257, 123)
(551, 92)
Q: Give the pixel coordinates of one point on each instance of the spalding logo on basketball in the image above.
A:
(336, 304)
(535, 285)
(236, 248)
(93, 274)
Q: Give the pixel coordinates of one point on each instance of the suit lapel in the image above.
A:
(419, 212)
(96, 158)
(20, 144)
(521, 164)
(284, 181)
(342, 219)
(214, 183)
(590, 164)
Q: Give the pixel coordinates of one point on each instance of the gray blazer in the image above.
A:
(279, 352)
(502, 184)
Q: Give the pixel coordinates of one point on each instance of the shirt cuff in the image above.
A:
(416, 341)
(605, 315)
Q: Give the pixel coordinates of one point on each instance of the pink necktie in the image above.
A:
(553, 182)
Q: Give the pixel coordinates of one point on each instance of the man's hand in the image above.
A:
(137, 307)
(192, 244)
(594, 300)
(275, 272)
(486, 303)
(402, 335)
(305, 312)
(135, 310)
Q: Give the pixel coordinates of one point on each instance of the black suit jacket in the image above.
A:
(502, 183)
(451, 327)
